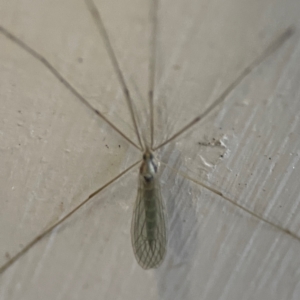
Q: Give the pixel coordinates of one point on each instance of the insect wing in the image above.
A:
(148, 227)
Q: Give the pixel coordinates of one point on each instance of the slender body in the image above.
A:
(148, 227)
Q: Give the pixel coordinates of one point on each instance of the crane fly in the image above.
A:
(148, 227)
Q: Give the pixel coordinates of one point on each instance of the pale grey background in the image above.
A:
(54, 152)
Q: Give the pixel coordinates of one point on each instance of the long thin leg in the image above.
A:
(110, 51)
(152, 66)
(284, 230)
(55, 225)
(43, 60)
(268, 51)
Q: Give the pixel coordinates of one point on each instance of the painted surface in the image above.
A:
(55, 152)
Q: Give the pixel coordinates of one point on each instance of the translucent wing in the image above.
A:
(148, 227)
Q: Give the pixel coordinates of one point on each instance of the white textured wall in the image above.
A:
(54, 152)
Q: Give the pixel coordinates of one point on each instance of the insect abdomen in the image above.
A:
(148, 228)
(151, 215)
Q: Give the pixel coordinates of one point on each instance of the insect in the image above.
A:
(149, 234)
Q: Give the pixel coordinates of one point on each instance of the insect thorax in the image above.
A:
(148, 167)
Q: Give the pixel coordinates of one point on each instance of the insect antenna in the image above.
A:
(138, 119)
(152, 66)
(110, 51)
